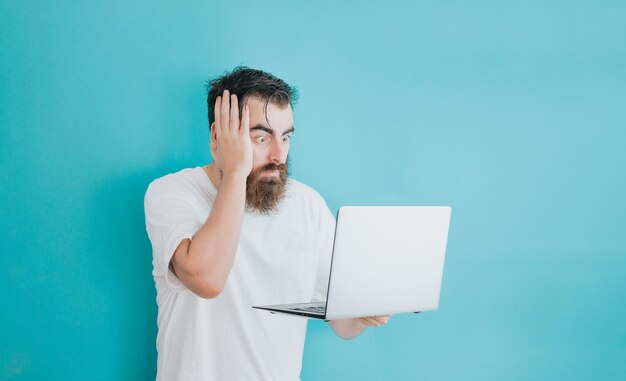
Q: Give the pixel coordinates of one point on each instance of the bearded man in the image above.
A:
(239, 232)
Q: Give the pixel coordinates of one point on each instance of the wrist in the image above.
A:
(234, 177)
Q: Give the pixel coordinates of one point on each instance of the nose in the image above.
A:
(279, 151)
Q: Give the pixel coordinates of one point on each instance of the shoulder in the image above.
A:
(177, 184)
(300, 190)
(307, 201)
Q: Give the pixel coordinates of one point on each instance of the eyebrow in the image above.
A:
(269, 130)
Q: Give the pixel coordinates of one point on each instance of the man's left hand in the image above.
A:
(374, 321)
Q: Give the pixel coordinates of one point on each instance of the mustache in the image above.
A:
(274, 167)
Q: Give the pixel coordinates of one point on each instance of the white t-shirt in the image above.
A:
(281, 258)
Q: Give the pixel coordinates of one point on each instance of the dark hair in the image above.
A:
(245, 82)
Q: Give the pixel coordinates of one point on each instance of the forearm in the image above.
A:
(212, 250)
(347, 328)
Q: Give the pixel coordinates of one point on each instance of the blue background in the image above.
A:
(512, 113)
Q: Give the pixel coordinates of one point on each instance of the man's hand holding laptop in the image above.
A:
(413, 239)
(350, 328)
(374, 321)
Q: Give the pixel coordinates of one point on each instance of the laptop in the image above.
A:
(386, 260)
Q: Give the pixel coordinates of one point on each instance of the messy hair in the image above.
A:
(246, 82)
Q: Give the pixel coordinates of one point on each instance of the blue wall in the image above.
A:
(511, 113)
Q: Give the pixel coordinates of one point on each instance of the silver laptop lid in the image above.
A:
(387, 260)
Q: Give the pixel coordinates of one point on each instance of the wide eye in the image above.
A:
(261, 139)
(286, 138)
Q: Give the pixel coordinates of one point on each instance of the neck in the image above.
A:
(214, 174)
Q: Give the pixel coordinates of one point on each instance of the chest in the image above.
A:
(276, 258)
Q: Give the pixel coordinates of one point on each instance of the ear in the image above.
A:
(213, 132)
(213, 143)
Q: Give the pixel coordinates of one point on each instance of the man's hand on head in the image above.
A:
(231, 147)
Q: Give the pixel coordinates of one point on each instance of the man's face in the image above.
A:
(270, 146)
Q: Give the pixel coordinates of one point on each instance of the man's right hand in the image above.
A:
(204, 262)
(231, 146)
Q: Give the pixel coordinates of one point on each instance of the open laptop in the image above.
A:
(386, 260)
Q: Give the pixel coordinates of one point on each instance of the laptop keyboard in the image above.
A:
(314, 309)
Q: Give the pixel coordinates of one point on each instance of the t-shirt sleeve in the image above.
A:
(325, 250)
(170, 219)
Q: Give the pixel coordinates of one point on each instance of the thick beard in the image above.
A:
(264, 194)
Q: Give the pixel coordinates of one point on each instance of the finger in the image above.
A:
(366, 321)
(218, 115)
(234, 114)
(382, 318)
(245, 121)
(378, 320)
(225, 111)
(370, 321)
